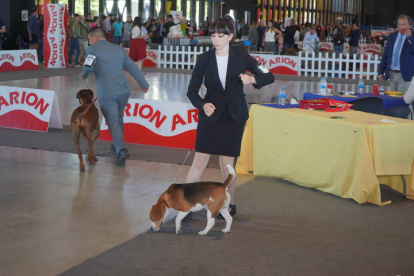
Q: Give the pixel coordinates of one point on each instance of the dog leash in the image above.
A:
(201, 129)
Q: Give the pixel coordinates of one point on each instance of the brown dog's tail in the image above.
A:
(231, 177)
(87, 109)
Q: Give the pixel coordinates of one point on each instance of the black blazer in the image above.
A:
(206, 68)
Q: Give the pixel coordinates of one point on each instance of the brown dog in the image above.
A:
(85, 119)
(193, 197)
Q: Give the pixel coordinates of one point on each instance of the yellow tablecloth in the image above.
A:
(347, 157)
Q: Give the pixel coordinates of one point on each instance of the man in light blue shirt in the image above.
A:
(311, 41)
(118, 31)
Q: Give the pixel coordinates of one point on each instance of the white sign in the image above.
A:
(157, 123)
(30, 109)
(18, 60)
(176, 16)
(55, 41)
(25, 15)
(280, 65)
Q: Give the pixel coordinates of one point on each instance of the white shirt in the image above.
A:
(136, 31)
(222, 68)
(409, 95)
(270, 36)
(309, 37)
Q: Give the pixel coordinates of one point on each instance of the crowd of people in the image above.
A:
(266, 36)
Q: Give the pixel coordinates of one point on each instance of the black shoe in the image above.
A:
(122, 156)
(188, 217)
(233, 210)
(124, 153)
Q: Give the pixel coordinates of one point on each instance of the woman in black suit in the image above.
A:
(223, 112)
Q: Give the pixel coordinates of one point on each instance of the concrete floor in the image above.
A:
(52, 217)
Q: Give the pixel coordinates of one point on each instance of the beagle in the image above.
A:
(193, 197)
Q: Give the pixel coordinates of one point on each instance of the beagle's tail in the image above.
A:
(87, 109)
(231, 177)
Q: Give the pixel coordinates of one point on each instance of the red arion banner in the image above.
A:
(157, 123)
(279, 65)
(30, 109)
(56, 36)
(18, 60)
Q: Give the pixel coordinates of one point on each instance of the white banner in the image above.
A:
(280, 65)
(27, 108)
(18, 60)
(56, 38)
(176, 16)
(157, 123)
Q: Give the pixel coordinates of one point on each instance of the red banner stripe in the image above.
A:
(23, 120)
(138, 134)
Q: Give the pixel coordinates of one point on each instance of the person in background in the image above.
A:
(409, 95)
(117, 26)
(95, 22)
(253, 34)
(107, 27)
(2, 32)
(137, 50)
(183, 25)
(88, 18)
(397, 62)
(74, 35)
(40, 49)
(169, 23)
(261, 31)
(296, 38)
(311, 40)
(223, 112)
(269, 38)
(354, 40)
(33, 29)
(205, 27)
(84, 29)
(161, 31)
(126, 39)
(319, 32)
(289, 36)
(112, 85)
(338, 41)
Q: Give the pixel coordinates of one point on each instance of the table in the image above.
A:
(346, 157)
(387, 101)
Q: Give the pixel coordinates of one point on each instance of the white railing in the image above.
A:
(343, 66)
(183, 57)
(310, 64)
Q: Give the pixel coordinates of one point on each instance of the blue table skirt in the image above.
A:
(281, 106)
(387, 101)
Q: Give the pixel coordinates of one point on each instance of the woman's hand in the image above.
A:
(246, 79)
(209, 109)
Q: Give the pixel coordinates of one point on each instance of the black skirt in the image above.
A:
(220, 138)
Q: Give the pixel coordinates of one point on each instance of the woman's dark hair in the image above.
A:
(95, 18)
(223, 25)
(137, 22)
(267, 26)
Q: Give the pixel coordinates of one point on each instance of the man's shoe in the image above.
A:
(122, 156)
(124, 153)
(233, 210)
(120, 161)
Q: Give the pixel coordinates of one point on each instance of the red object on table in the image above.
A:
(326, 104)
(375, 87)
